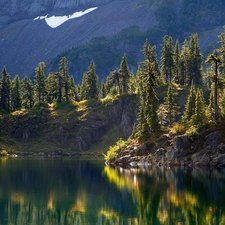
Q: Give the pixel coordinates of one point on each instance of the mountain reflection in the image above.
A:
(68, 191)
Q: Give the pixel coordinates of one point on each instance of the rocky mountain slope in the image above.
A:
(24, 42)
(68, 128)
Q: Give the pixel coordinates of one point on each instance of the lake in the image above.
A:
(65, 191)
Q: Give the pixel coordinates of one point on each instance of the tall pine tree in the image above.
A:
(124, 74)
(5, 90)
(63, 70)
(40, 82)
(90, 88)
(170, 107)
(167, 62)
(27, 93)
(195, 61)
(15, 94)
(190, 106)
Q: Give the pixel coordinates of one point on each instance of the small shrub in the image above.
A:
(114, 150)
(4, 153)
(177, 129)
(192, 132)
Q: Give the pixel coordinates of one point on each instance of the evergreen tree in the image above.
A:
(103, 90)
(195, 61)
(124, 74)
(199, 117)
(63, 70)
(133, 83)
(15, 94)
(5, 90)
(113, 82)
(176, 63)
(190, 105)
(215, 59)
(184, 64)
(151, 97)
(143, 129)
(222, 104)
(171, 108)
(151, 55)
(73, 90)
(211, 109)
(52, 87)
(167, 58)
(27, 93)
(90, 88)
(40, 82)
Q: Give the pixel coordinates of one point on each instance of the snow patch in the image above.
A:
(55, 21)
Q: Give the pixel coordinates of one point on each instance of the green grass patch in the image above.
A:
(114, 150)
(109, 139)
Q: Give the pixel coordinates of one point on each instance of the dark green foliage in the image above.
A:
(89, 87)
(176, 63)
(195, 64)
(5, 84)
(190, 105)
(184, 64)
(200, 115)
(40, 82)
(169, 109)
(63, 71)
(148, 118)
(54, 87)
(124, 74)
(15, 94)
(103, 90)
(167, 62)
(215, 60)
(211, 109)
(27, 93)
(150, 54)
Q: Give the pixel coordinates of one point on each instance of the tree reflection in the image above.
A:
(68, 192)
(173, 195)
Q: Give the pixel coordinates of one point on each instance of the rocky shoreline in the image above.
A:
(206, 150)
(55, 154)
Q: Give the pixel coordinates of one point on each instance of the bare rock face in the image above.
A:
(214, 140)
(30, 8)
(182, 142)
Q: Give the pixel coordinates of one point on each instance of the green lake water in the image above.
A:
(63, 191)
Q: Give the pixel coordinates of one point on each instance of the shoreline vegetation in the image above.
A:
(177, 112)
(179, 151)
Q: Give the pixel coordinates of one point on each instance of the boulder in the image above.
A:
(204, 160)
(123, 160)
(221, 160)
(175, 154)
(221, 148)
(214, 140)
(159, 152)
(182, 142)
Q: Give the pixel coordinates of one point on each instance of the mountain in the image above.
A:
(41, 30)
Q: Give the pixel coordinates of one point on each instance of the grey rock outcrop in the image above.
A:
(182, 142)
(211, 153)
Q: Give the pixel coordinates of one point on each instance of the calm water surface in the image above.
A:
(81, 192)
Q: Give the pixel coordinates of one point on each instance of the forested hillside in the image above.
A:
(103, 35)
(172, 94)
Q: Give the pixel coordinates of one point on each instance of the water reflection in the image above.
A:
(173, 195)
(67, 191)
